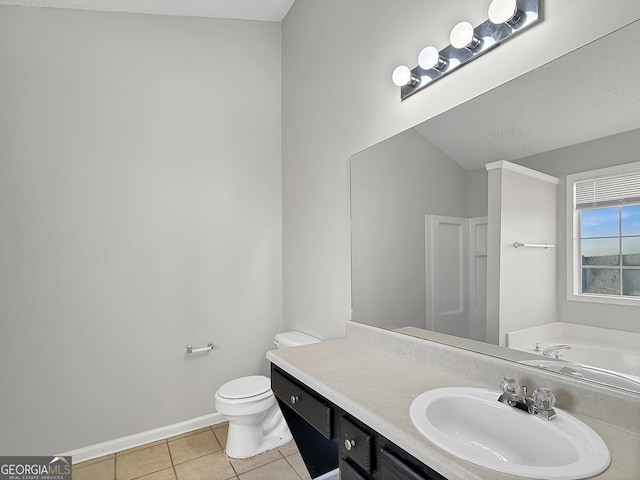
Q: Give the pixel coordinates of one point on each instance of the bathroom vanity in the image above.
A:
(347, 404)
(328, 436)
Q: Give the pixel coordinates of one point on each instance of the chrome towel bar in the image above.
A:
(209, 346)
(533, 245)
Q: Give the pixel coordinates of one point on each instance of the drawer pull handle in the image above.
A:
(294, 399)
(349, 444)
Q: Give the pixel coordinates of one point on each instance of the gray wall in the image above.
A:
(393, 186)
(338, 99)
(477, 192)
(600, 153)
(140, 210)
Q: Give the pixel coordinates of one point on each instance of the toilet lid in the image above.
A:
(245, 387)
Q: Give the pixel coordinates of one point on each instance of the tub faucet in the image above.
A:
(555, 350)
(540, 404)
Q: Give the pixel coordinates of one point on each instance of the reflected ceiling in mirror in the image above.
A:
(590, 93)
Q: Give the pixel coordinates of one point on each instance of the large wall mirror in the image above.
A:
(420, 198)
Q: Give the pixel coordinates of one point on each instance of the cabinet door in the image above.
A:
(348, 472)
(356, 443)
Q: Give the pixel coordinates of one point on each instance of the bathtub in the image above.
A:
(613, 350)
(588, 372)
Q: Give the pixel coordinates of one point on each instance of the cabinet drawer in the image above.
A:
(393, 467)
(356, 444)
(348, 472)
(313, 409)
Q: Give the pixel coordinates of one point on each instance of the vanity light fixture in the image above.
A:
(402, 76)
(429, 57)
(463, 36)
(504, 11)
(505, 19)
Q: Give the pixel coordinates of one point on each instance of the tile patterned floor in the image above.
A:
(197, 455)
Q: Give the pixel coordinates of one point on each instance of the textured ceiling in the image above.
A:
(590, 93)
(269, 10)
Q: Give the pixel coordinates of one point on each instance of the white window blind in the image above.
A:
(607, 191)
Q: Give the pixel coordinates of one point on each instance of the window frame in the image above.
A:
(574, 264)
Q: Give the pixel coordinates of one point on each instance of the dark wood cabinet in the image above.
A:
(314, 409)
(356, 443)
(350, 472)
(310, 419)
(328, 437)
(398, 465)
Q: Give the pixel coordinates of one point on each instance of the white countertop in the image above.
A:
(377, 388)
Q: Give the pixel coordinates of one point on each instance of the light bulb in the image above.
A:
(462, 36)
(401, 76)
(430, 58)
(501, 11)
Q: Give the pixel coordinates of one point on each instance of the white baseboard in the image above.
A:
(112, 446)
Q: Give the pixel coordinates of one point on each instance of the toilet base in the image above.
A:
(244, 441)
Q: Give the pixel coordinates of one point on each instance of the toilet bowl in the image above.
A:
(256, 423)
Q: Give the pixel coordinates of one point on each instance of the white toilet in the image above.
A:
(256, 423)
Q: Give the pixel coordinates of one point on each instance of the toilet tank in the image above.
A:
(293, 339)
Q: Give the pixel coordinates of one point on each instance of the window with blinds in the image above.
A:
(607, 240)
(607, 191)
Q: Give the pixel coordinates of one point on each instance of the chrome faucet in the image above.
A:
(540, 404)
(555, 350)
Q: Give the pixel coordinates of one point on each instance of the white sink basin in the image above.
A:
(471, 424)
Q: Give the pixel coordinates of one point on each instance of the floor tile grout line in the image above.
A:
(144, 446)
(189, 434)
(170, 455)
(195, 458)
(259, 466)
(291, 465)
(173, 465)
(149, 473)
(94, 461)
(173, 462)
(154, 471)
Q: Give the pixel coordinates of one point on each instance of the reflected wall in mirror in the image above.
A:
(420, 200)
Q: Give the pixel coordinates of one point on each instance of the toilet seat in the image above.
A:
(253, 387)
